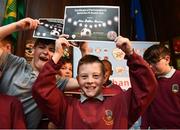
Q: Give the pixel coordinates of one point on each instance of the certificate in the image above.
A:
(94, 23)
(49, 28)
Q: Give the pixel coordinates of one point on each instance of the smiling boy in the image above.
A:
(18, 75)
(94, 109)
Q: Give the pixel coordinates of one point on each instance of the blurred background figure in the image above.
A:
(108, 72)
(109, 84)
(65, 71)
(164, 111)
(7, 44)
(66, 68)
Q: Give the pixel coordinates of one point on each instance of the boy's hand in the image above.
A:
(27, 24)
(124, 44)
(60, 45)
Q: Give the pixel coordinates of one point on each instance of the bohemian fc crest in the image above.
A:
(108, 117)
(175, 88)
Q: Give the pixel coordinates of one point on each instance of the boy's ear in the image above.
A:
(9, 47)
(111, 72)
(104, 81)
(167, 58)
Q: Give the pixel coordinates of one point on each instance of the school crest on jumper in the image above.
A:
(175, 88)
(108, 117)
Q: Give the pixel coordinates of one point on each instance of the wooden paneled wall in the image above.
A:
(161, 17)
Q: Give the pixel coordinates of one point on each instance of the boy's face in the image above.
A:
(161, 67)
(90, 79)
(42, 53)
(66, 70)
(108, 70)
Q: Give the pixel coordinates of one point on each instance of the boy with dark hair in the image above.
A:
(66, 68)
(18, 75)
(94, 109)
(11, 110)
(164, 111)
(7, 44)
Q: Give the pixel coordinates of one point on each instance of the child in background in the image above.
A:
(164, 111)
(107, 82)
(65, 71)
(7, 44)
(66, 68)
(11, 110)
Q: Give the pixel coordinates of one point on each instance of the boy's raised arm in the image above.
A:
(143, 81)
(24, 24)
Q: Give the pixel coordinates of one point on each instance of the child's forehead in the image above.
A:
(91, 63)
(44, 41)
(67, 64)
(45, 44)
(90, 66)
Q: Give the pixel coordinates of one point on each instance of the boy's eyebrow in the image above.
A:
(83, 73)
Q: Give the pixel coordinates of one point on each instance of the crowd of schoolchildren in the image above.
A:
(31, 91)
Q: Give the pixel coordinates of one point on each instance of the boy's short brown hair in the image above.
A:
(8, 40)
(90, 59)
(155, 52)
(44, 41)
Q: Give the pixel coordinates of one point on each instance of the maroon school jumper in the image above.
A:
(113, 112)
(112, 85)
(164, 112)
(11, 113)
